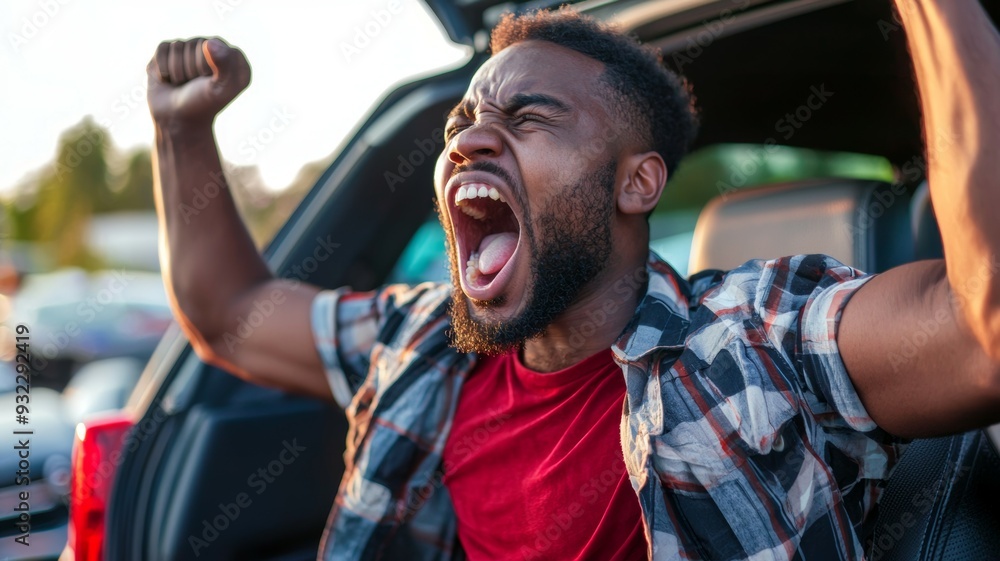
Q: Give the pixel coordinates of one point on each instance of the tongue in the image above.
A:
(495, 250)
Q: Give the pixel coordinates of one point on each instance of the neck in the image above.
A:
(593, 323)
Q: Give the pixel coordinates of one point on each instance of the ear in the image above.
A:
(642, 184)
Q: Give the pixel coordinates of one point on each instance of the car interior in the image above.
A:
(205, 434)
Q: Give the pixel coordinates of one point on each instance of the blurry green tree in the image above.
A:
(52, 208)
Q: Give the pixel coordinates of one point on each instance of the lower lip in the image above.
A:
(496, 286)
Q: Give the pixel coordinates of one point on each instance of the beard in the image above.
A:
(570, 242)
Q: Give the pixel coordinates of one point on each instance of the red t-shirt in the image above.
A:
(534, 464)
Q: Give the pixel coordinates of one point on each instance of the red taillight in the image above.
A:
(96, 456)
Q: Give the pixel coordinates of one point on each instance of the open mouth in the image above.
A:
(488, 235)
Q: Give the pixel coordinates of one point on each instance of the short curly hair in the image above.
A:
(652, 101)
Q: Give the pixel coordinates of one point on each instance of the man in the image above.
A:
(761, 412)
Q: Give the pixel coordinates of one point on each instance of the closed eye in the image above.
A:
(525, 117)
(462, 115)
(454, 128)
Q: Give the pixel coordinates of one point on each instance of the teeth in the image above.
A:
(471, 273)
(477, 190)
(472, 191)
(472, 267)
(473, 212)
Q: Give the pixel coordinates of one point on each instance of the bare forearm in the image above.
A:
(206, 253)
(956, 53)
(236, 314)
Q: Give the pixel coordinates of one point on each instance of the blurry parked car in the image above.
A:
(76, 317)
(90, 337)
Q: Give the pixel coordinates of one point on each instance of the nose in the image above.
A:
(477, 141)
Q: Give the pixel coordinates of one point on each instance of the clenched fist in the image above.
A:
(191, 81)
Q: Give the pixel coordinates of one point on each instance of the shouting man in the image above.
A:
(747, 415)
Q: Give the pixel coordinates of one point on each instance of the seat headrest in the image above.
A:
(864, 224)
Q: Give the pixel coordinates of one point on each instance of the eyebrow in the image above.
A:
(522, 100)
(517, 102)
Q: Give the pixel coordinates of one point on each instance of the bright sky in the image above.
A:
(319, 66)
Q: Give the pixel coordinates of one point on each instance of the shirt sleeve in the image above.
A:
(348, 326)
(800, 300)
(345, 326)
(809, 293)
(818, 353)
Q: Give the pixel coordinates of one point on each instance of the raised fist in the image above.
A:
(191, 81)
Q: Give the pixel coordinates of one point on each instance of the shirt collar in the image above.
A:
(661, 319)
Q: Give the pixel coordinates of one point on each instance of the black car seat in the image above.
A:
(942, 502)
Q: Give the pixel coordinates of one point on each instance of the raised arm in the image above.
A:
(922, 341)
(215, 277)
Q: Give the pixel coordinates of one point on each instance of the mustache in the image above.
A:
(487, 167)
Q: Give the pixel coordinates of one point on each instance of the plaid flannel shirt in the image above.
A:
(742, 433)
